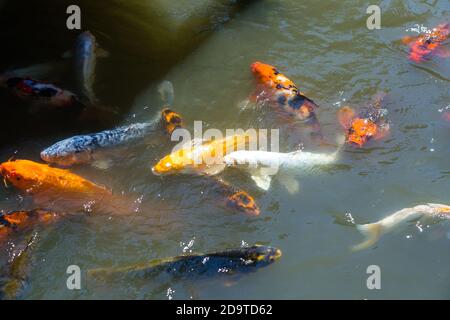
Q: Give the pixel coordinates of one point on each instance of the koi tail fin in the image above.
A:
(167, 92)
(371, 232)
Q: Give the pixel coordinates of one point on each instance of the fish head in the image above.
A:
(86, 39)
(23, 174)
(361, 131)
(262, 255)
(265, 73)
(263, 70)
(271, 76)
(171, 164)
(67, 152)
(242, 201)
(171, 120)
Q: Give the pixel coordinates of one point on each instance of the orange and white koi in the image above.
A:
(425, 45)
(284, 93)
(369, 123)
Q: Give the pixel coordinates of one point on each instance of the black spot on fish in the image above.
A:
(47, 92)
(296, 102)
(282, 100)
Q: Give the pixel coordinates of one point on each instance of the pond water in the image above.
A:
(323, 46)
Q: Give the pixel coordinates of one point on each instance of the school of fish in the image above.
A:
(50, 182)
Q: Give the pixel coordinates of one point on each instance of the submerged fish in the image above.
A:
(262, 165)
(38, 93)
(85, 148)
(86, 52)
(14, 282)
(204, 157)
(374, 231)
(369, 123)
(16, 221)
(422, 47)
(33, 178)
(236, 199)
(226, 262)
(285, 94)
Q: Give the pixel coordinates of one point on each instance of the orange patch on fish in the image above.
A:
(361, 130)
(18, 220)
(270, 76)
(171, 120)
(283, 92)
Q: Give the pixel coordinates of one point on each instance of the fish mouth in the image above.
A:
(156, 172)
(277, 255)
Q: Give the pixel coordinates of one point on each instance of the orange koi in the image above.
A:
(369, 123)
(423, 46)
(235, 199)
(34, 178)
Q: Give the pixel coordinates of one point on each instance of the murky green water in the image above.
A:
(327, 50)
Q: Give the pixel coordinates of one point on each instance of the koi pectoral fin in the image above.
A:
(289, 182)
(372, 232)
(262, 179)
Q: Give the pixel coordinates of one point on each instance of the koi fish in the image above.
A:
(374, 231)
(369, 123)
(284, 93)
(16, 221)
(34, 178)
(37, 92)
(227, 262)
(262, 165)
(87, 148)
(64, 191)
(200, 157)
(425, 45)
(235, 199)
(86, 52)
